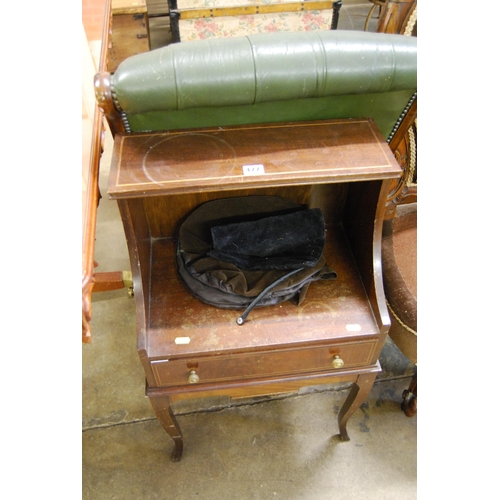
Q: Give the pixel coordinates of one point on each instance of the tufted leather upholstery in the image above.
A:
(268, 77)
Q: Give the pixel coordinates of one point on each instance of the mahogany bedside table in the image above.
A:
(192, 350)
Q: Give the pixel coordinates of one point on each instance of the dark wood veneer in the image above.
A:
(343, 167)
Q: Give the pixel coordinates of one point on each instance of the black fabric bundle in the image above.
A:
(251, 251)
(290, 241)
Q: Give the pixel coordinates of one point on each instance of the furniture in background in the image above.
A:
(395, 16)
(399, 242)
(399, 256)
(315, 111)
(157, 7)
(398, 16)
(376, 4)
(202, 19)
(159, 23)
(116, 45)
(399, 260)
(91, 196)
(129, 31)
(125, 33)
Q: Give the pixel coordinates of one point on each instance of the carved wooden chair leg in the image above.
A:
(359, 392)
(409, 404)
(376, 3)
(336, 12)
(162, 408)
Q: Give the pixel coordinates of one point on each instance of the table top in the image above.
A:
(228, 158)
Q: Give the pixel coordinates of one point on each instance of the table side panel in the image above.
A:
(139, 248)
(363, 220)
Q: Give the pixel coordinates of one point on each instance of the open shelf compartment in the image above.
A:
(343, 167)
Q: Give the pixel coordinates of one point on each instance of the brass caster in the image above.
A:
(128, 282)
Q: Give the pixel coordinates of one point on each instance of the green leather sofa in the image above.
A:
(263, 78)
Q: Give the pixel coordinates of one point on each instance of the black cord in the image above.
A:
(262, 294)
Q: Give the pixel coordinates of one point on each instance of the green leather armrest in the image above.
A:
(268, 77)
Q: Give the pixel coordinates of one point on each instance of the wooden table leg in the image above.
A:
(359, 392)
(162, 408)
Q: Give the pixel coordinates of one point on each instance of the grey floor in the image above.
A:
(284, 447)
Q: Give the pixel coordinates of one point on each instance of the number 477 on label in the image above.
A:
(253, 169)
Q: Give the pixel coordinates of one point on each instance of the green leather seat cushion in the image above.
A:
(384, 108)
(268, 77)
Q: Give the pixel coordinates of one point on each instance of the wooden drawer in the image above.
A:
(262, 364)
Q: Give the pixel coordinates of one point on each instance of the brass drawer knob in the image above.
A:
(193, 377)
(337, 362)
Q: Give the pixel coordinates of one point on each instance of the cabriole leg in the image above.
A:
(162, 408)
(359, 392)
